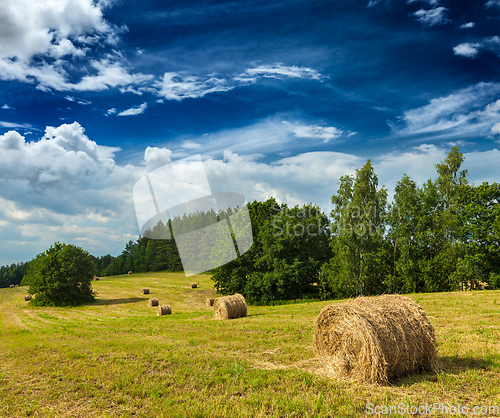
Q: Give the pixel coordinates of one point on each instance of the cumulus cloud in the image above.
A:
(156, 157)
(466, 50)
(6, 107)
(134, 110)
(40, 43)
(111, 111)
(471, 50)
(495, 129)
(466, 112)
(326, 133)
(432, 17)
(63, 171)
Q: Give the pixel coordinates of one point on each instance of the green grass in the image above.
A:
(116, 358)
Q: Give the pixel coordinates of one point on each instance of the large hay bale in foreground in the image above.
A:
(230, 307)
(193, 285)
(374, 339)
(209, 302)
(164, 310)
(145, 291)
(27, 298)
(153, 302)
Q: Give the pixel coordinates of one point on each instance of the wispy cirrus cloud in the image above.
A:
(432, 17)
(176, 86)
(472, 111)
(137, 110)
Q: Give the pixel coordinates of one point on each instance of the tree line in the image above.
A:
(442, 236)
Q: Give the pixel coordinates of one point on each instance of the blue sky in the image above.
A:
(280, 98)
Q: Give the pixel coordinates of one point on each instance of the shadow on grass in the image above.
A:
(117, 301)
(447, 365)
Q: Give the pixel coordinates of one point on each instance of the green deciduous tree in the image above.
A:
(361, 259)
(61, 276)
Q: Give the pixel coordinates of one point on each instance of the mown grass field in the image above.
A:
(116, 358)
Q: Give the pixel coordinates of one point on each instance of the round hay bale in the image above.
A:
(230, 307)
(16, 285)
(209, 302)
(375, 339)
(164, 310)
(193, 285)
(96, 278)
(27, 298)
(145, 291)
(153, 302)
(11, 286)
(129, 272)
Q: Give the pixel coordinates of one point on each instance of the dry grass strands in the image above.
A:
(164, 310)
(209, 302)
(230, 307)
(27, 298)
(145, 291)
(375, 339)
(193, 285)
(153, 302)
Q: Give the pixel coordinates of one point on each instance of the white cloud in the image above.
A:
(191, 145)
(466, 50)
(467, 25)
(176, 86)
(134, 110)
(60, 34)
(278, 71)
(326, 133)
(468, 112)
(15, 125)
(155, 157)
(6, 107)
(495, 129)
(471, 50)
(492, 3)
(111, 111)
(432, 17)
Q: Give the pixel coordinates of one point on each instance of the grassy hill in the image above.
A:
(116, 358)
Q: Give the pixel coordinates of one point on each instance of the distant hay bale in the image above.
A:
(164, 310)
(153, 302)
(230, 307)
(96, 278)
(16, 285)
(11, 286)
(375, 339)
(145, 291)
(193, 285)
(129, 272)
(27, 298)
(209, 302)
